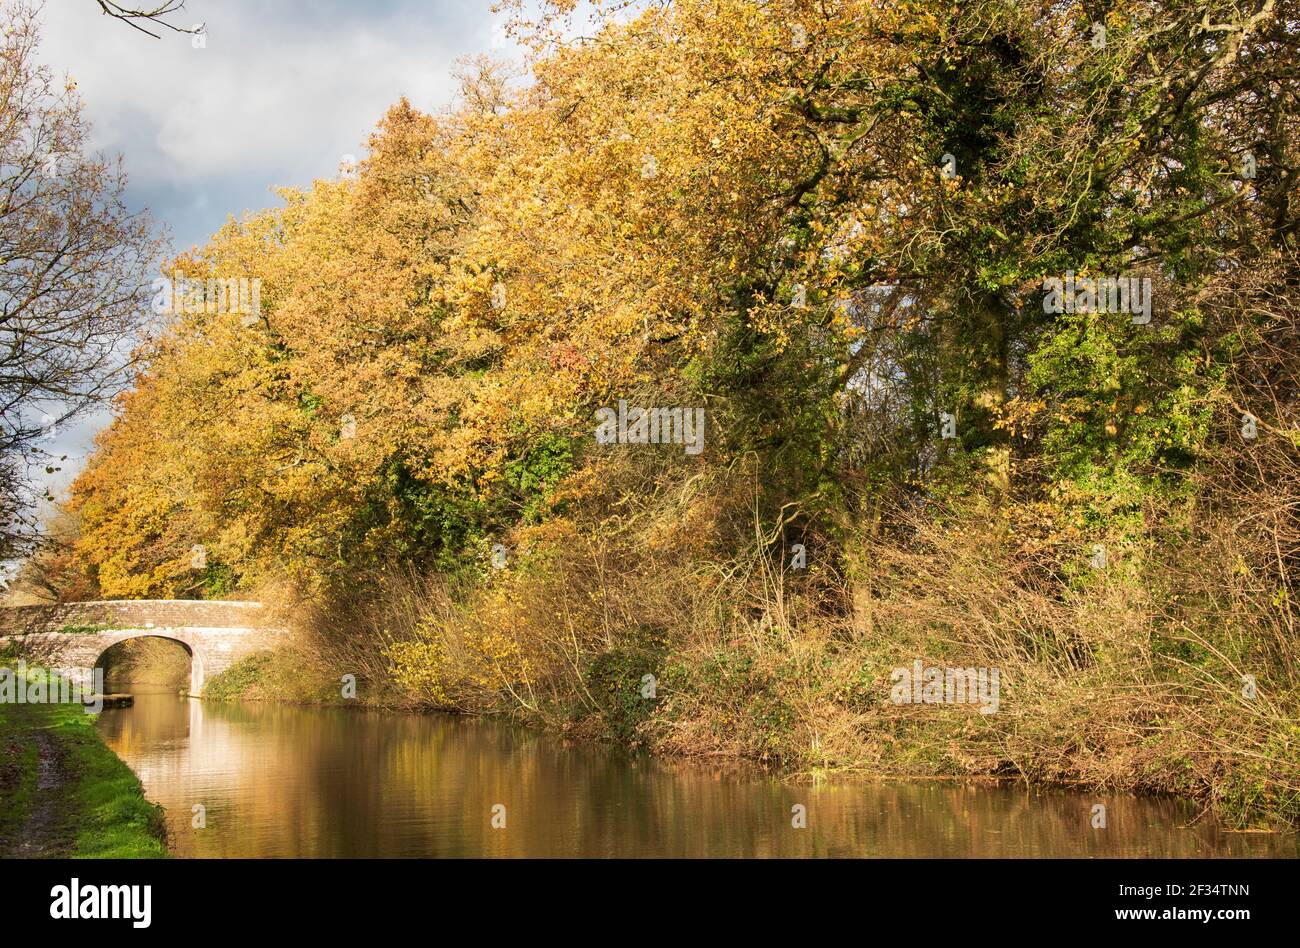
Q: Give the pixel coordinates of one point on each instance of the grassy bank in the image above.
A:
(64, 793)
(284, 675)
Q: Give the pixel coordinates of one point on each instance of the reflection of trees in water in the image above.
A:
(280, 780)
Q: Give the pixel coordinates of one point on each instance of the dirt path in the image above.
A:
(46, 833)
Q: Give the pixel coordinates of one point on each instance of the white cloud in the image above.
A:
(277, 95)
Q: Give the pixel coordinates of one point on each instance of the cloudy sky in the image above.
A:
(277, 94)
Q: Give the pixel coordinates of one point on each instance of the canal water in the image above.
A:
(277, 780)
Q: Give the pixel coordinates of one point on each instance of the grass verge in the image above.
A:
(92, 807)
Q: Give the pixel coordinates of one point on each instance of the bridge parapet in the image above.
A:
(134, 614)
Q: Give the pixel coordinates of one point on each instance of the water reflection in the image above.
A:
(286, 781)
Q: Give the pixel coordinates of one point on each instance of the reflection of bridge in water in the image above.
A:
(75, 635)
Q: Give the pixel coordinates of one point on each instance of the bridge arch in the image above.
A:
(198, 668)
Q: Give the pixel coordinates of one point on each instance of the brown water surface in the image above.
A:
(279, 780)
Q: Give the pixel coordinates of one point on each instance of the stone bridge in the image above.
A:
(75, 635)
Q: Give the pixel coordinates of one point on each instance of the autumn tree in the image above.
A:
(833, 230)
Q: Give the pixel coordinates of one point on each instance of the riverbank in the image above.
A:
(1171, 674)
(823, 708)
(63, 793)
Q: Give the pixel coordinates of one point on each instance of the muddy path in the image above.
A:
(46, 832)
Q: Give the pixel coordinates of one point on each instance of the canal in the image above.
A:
(261, 779)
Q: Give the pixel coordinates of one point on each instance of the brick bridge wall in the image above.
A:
(216, 633)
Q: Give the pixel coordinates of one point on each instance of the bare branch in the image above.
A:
(129, 15)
